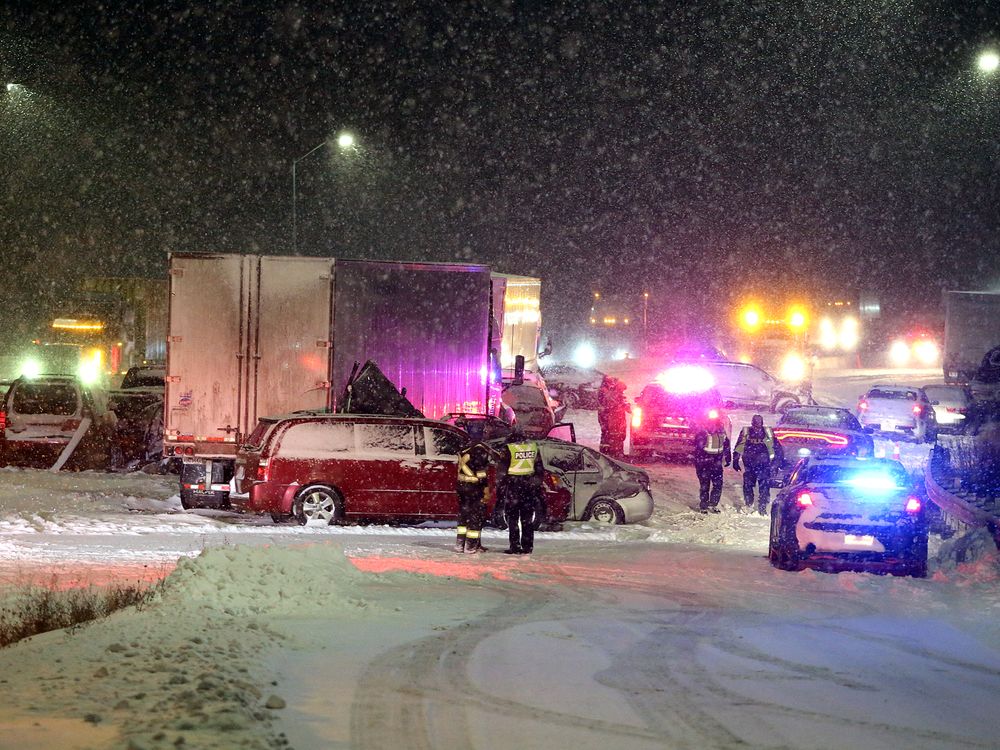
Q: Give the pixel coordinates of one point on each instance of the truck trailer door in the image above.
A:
(289, 368)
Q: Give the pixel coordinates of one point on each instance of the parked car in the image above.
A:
(574, 387)
(899, 408)
(664, 422)
(951, 405)
(138, 406)
(533, 408)
(821, 431)
(338, 468)
(748, 386)
(849, 513)
(582, 484)
(41, 415)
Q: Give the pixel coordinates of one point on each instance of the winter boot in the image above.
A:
(472, 546)
(460, 543)
(762, 509)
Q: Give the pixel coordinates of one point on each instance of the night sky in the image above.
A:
(696, 150)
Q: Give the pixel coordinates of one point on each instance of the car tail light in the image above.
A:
(713, 413)
(862, 406)
(916, 409)
(189, 451)
(70, 425)
(804, 500)
(637, 416)
(553, 480)
(3, 420)
(264, 471)
(949, 409)
(913, 504)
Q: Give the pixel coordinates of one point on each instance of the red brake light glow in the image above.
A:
(3, 420)
(830, 437)
(916, 409)
(913, 504)
(713, 413)
(805, 500)
(637, 416)
(862, 406)
(263, 473)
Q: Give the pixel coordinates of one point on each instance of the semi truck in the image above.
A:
(252, 336)
(971, 329)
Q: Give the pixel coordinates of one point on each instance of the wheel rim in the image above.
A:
(604, 513)
(318, 505)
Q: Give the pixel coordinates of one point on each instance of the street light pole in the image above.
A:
(345, 141)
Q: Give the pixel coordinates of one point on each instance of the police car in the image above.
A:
(668, 412)
(849, 514)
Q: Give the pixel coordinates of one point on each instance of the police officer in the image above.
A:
(756, 446)
(473, 487)
(521, 488)
(711, 453)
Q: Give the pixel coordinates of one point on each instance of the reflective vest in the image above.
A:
(465, 471)
(522, 459)
(714, 443)
(746, 439)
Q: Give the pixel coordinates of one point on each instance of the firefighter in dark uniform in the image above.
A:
(473, 487)
(711, 453)
(756, 447)
(521, 490)
(612, 415)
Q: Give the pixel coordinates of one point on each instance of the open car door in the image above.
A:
(562, 431)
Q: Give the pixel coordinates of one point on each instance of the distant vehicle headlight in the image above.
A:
(31, 368)
(899, 354)
(793, 368)
(926, 352)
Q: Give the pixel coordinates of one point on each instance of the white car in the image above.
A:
(748, 386)
(899, 408)
(951, 405)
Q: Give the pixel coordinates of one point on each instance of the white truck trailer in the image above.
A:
(971, 328)
(253, 336)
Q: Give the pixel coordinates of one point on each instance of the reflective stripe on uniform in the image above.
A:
(472, 534)
(522, 459)
(714, 443)
(465, 474)
(461, 529)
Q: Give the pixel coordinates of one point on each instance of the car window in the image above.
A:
(589, 462)
(819, 418)
(562, 458)
(946, 394)
(385, 438)
(893, 395)
(59, 399)
(524, 395)
(445, 442)
(256, 438)
(856, 474)
(316, 440)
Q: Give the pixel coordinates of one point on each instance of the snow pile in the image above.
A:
(973, 556)
(271, 580)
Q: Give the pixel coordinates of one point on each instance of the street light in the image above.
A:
(989, 61)
(345, 142)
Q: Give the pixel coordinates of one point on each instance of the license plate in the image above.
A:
(859, 541)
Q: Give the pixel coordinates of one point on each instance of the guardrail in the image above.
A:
(960, 510)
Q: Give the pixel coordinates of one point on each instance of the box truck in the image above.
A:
(252, 336)
(971, 329)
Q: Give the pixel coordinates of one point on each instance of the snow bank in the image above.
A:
(271, 580)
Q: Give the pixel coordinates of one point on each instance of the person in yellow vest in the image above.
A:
(711, 453)
(473, 487)
(521, 490)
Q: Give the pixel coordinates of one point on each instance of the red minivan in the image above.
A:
(339, 468)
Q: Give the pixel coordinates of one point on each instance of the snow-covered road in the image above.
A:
(671, 633)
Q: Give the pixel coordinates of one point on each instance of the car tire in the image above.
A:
(783, 402)
(318, 502)
(786, 548)
(607, 511)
